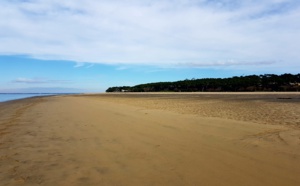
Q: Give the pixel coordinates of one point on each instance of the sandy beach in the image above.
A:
(246, 139)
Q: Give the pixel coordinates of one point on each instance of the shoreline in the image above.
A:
(32, 95)
(149, 93)
(142, 139)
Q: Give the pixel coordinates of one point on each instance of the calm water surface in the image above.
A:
(8, 97)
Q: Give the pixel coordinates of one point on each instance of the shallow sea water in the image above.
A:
(9, 97)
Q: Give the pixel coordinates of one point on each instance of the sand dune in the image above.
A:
(151, 139)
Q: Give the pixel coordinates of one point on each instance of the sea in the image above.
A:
(14, 96)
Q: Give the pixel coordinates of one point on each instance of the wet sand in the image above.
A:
(151, 139)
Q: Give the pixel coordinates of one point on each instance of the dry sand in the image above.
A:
(151, 139)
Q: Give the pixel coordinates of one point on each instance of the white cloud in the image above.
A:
(79, 64)
(28, 80)
(82, 64)
(39, 81)
(157, 32)
(89, 66)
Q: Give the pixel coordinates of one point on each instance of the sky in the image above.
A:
(90, 45)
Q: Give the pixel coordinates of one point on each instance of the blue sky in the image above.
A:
(88, 45)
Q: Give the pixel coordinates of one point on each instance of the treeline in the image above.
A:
(267, 82)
